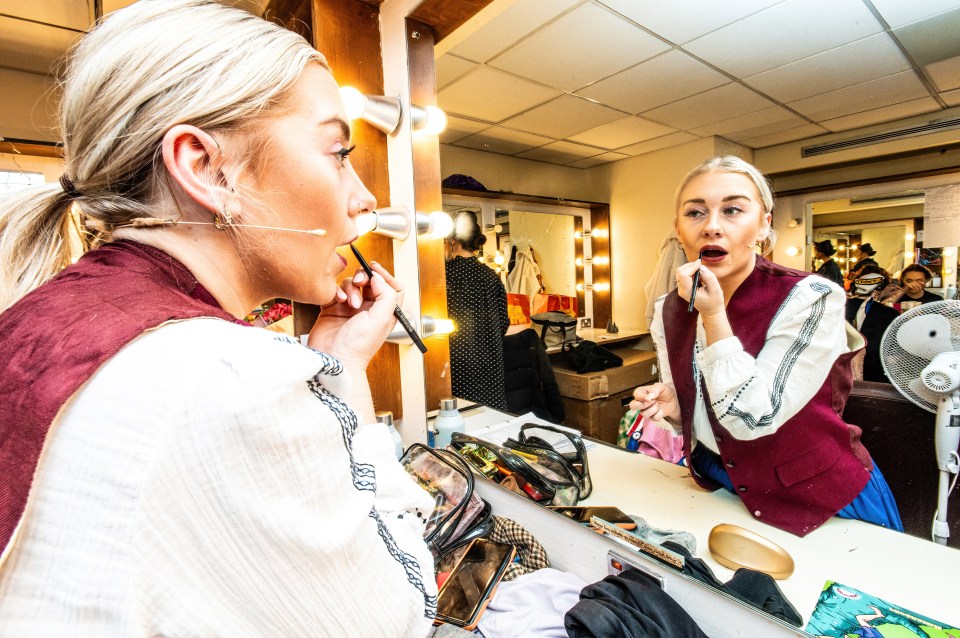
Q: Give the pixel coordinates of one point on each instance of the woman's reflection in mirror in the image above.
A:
(477, 304)
(769, 346)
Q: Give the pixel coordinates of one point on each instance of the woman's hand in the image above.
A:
(355, 325)
(709, 300)
(657, 402)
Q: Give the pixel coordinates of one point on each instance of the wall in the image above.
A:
(50, 167)
(28, 107)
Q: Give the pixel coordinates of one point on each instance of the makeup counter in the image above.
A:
(898, 568)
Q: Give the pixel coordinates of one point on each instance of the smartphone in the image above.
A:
(468, 589)
(582, 515)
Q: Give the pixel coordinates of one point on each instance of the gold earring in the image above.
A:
(224, 220)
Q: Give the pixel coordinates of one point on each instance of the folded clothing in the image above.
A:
(659, 536)
(532, 605)
(630, 605)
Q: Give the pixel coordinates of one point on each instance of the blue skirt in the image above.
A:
(875, 503)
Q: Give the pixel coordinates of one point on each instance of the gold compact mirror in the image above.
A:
(736, 547)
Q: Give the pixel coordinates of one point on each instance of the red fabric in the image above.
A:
(554, 303)
(814, 465)
(57, 336)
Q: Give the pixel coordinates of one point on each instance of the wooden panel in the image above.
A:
(426, 177)
(602, 299)
(356, 61)
(578, 254)
(29, 147)
(294, 15)
(446, 15)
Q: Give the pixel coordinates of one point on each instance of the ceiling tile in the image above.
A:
(450, 67)
(624, 132)
(583, 46)
(892, 89)
(502, 140)
(656, 144)
(722, 103)
(881, 115)
(560, 152)
(898, 13)
(866, 59)
(952, 98)
(686, 19)
(784, 136)
(565, 116)
(508, 27)
(488, 94)
(945, 73)
(933, 39)
(596, 160)
(458, 128)
(28, 46)
(783, 33)
(752, 124)
(671, 76)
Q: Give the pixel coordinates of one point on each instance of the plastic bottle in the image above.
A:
(387, 419)
(951, 292)
(448, 421)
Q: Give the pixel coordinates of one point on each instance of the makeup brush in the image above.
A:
(397, 312)
(696, 283)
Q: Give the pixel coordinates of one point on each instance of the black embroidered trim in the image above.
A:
(409, 564)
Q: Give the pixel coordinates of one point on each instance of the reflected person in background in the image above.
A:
(829, 269)
(199, 476)
(477, 303)
(757, 377)
(912, 286)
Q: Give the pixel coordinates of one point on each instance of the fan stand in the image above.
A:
(947, 441)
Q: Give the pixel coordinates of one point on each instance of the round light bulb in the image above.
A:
(909, 254)
(441, 224)
(499, 259)
(909, 236)
(434, 122)
(793, 251)
(579, 287)
(579, 261)
(354, 102)
(366, 222)
(948, 252)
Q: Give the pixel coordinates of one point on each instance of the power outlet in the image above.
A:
(586, 322)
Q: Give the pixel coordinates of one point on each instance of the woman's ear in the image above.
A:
(192, 158)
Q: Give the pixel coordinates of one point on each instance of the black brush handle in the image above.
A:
(397, 312)
(696, 283)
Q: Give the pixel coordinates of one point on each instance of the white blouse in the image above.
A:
(207, 481)
(753, 397)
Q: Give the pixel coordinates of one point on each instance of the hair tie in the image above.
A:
(68, 186)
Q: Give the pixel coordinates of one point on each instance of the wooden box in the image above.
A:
(639, 367)
(597, 418)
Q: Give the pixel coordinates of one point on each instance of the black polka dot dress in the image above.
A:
(477, 303)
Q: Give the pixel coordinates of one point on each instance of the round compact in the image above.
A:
(735, 547)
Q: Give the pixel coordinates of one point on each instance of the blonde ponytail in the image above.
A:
(33, 246)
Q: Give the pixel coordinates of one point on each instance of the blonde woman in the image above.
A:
(166, 470)
(756, 376)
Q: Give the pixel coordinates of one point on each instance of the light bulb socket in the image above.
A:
(383, 113)
(393, 222)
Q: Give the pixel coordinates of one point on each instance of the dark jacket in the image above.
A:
(875, 324)
(814, 465)
(529, 381)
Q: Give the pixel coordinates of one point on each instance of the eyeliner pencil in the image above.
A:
(402, 318)
(696, 283)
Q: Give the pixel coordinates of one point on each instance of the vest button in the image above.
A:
(719, 440)
(730, 463)
(742, 488)
(757, 513)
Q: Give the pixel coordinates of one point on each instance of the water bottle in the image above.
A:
(387, 419)
(447, 422)
(951, 292)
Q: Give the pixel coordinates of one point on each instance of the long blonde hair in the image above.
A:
(142, 70)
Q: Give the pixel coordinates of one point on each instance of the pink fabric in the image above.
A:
(660, 444)
(56, 338)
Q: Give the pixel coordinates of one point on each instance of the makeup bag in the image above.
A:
(536, 472)
(568, 446)
(459, 514)
(555, 328)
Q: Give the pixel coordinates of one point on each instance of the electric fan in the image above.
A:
(921, 356)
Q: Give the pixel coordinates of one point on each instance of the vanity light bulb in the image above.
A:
(793, 251)
(601, 287)
(579, 261)
(354, 102)
(601, 261)
(948, 271)
(580, 287)
(599, 232)
(438, 225)
(854, 247)
(499, 259)
(443, 326)
(909, 254)
(948, 252)
(428, 120)
(366, 222)
(909, 236)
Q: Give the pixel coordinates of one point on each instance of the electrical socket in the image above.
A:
(585, 322)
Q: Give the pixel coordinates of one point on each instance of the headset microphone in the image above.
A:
(153, 222)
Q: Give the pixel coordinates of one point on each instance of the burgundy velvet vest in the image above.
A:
(56, 338)
(814, 465)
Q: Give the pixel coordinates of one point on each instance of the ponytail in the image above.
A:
(33, 243)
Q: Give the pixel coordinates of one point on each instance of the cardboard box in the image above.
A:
(639, 367)
(597, 418)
